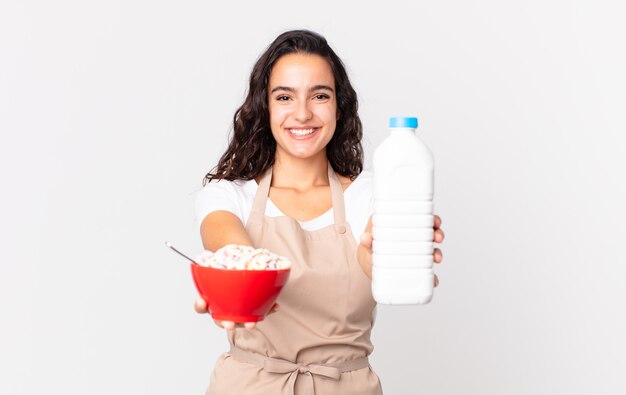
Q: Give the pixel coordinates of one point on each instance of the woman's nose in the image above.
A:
(303, 113)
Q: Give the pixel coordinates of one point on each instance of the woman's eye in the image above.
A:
(322, 96)
(282, 98)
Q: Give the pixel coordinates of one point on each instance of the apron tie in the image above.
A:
(280, 366)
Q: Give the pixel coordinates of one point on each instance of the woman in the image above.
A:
(291, 181)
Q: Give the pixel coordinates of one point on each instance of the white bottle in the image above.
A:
(403, 217)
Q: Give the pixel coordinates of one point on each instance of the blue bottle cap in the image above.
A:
(403, 122)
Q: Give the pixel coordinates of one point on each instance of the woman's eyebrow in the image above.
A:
(321, 87)
(283, 88)
(313, 88)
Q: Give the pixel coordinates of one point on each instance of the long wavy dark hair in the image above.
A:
(252, 147)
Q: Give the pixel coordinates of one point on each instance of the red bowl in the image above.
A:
(238, 295)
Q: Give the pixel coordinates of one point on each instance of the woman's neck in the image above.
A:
(300, 174)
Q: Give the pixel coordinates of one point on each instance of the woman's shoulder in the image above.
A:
(234, 196)
(220, 190)
(241, 186)
(366, 176)
(362, 179)
(359, 201)
(362, 182)
(360, 192)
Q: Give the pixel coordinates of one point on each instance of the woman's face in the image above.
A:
(302, 105)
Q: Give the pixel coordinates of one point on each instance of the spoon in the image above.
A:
(167, 243)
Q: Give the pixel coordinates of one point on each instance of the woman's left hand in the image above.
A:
(437, 238)
(364, 250)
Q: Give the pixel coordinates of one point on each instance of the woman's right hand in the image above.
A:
(201, 308)
(218, 229)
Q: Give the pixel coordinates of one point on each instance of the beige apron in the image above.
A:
(319, 340)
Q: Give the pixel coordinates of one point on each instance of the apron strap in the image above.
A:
(262, 193)
(260, 198)
(281, 366)
(339, 208)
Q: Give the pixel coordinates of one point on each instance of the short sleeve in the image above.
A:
(216, 196)
(359, 200)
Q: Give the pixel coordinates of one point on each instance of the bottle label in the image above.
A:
(406, 182)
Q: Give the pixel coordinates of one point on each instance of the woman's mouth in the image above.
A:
(302, 132)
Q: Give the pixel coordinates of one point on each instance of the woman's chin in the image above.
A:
(303, 152)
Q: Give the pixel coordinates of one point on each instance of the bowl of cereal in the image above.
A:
(240, 283)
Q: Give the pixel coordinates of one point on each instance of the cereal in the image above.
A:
(240, 257)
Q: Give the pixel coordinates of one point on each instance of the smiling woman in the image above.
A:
(291, 181)
(253, 143)
(302, 106)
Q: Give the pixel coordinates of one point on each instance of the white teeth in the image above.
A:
(301, 132)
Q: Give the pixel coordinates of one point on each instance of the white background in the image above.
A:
(111, 112)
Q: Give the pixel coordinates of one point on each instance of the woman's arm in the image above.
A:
(364, 250)
(220, 228)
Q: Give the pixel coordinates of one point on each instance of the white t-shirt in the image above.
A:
(237, 197)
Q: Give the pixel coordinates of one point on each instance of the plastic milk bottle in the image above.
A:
(403, 217)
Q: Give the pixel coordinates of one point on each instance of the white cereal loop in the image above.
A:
(240, 257)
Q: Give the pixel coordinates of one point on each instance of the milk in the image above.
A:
(403, 217)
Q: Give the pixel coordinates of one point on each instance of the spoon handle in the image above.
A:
(180, 253)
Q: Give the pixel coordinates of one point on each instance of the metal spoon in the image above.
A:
(180, 253)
